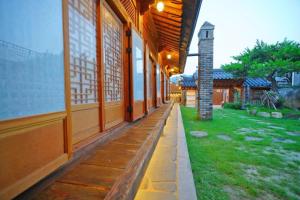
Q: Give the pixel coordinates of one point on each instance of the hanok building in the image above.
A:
(226, 88)
(74, 71)
(175, 92)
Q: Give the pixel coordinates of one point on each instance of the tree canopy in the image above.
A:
(266, 60)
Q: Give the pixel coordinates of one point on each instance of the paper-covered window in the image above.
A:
(138, 66)
(31, 58)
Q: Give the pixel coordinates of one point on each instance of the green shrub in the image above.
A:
(236, 105)
(280, 102)
(282, 109)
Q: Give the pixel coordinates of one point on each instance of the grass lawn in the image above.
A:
(243, 156)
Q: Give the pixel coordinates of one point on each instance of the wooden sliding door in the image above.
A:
(83, 69)
(150, 85)
(153, 78)
(137, 60)
(112, 52)
(150, 80)
(158, 85)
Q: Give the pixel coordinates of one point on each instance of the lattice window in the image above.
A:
(112, 54)
(83, 63)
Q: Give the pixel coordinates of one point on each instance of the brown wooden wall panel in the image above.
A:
(158, 101)
(218, 97)
(85, 122)
(114, 114)
(24, 152)
(150, 103)
(138, 110)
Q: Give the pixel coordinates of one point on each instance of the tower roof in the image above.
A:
(207, 25)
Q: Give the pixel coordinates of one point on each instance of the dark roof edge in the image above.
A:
(183, 52)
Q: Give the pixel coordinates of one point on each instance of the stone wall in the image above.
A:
(291, 97)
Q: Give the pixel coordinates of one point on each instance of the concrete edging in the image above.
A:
(186, 184)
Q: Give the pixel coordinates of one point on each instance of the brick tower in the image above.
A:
(205, 71)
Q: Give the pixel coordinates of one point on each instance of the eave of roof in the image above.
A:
(191, 9)
(257, 83)
(175, 27)
(220, 75)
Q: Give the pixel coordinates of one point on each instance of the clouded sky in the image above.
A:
(239, 23)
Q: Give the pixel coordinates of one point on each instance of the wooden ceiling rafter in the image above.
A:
(168, 24)
(168, 15)
(161, 26)
(165, 37)
(172, 12)
(167, 21)
(175, 6)
(166, 44)
(164, 26)
(167, 48)
(173, 19)
(168, 33)
(175, 27)
(170, 41)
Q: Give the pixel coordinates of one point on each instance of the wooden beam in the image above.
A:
(170, 39)
(168, 15)
(164, 30)
(161, 16)
(169, 27)
(168, 33)
(68, 143)
(167, 21)
(168, 24)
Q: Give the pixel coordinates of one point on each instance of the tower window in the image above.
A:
(206, 34)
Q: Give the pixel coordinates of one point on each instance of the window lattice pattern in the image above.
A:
(112, 54)
(83, 63)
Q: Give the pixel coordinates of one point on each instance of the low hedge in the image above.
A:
(236, 105)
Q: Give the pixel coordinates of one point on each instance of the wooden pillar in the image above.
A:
(247, 94)
(183, 97)
(231, 94)
(243, 99)
(197, 99)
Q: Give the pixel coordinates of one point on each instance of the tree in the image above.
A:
(266, 60)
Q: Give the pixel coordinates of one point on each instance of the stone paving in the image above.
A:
(250, 138)
(224, 137)
(169, 175)
(198, 134)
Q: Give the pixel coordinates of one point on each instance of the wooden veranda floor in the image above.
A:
(115, 169)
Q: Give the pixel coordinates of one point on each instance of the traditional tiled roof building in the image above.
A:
(227, 87)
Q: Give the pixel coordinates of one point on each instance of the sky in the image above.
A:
(239, 23)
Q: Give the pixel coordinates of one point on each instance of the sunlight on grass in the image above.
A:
(244, 157)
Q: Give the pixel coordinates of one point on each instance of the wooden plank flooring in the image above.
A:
(115, 169)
